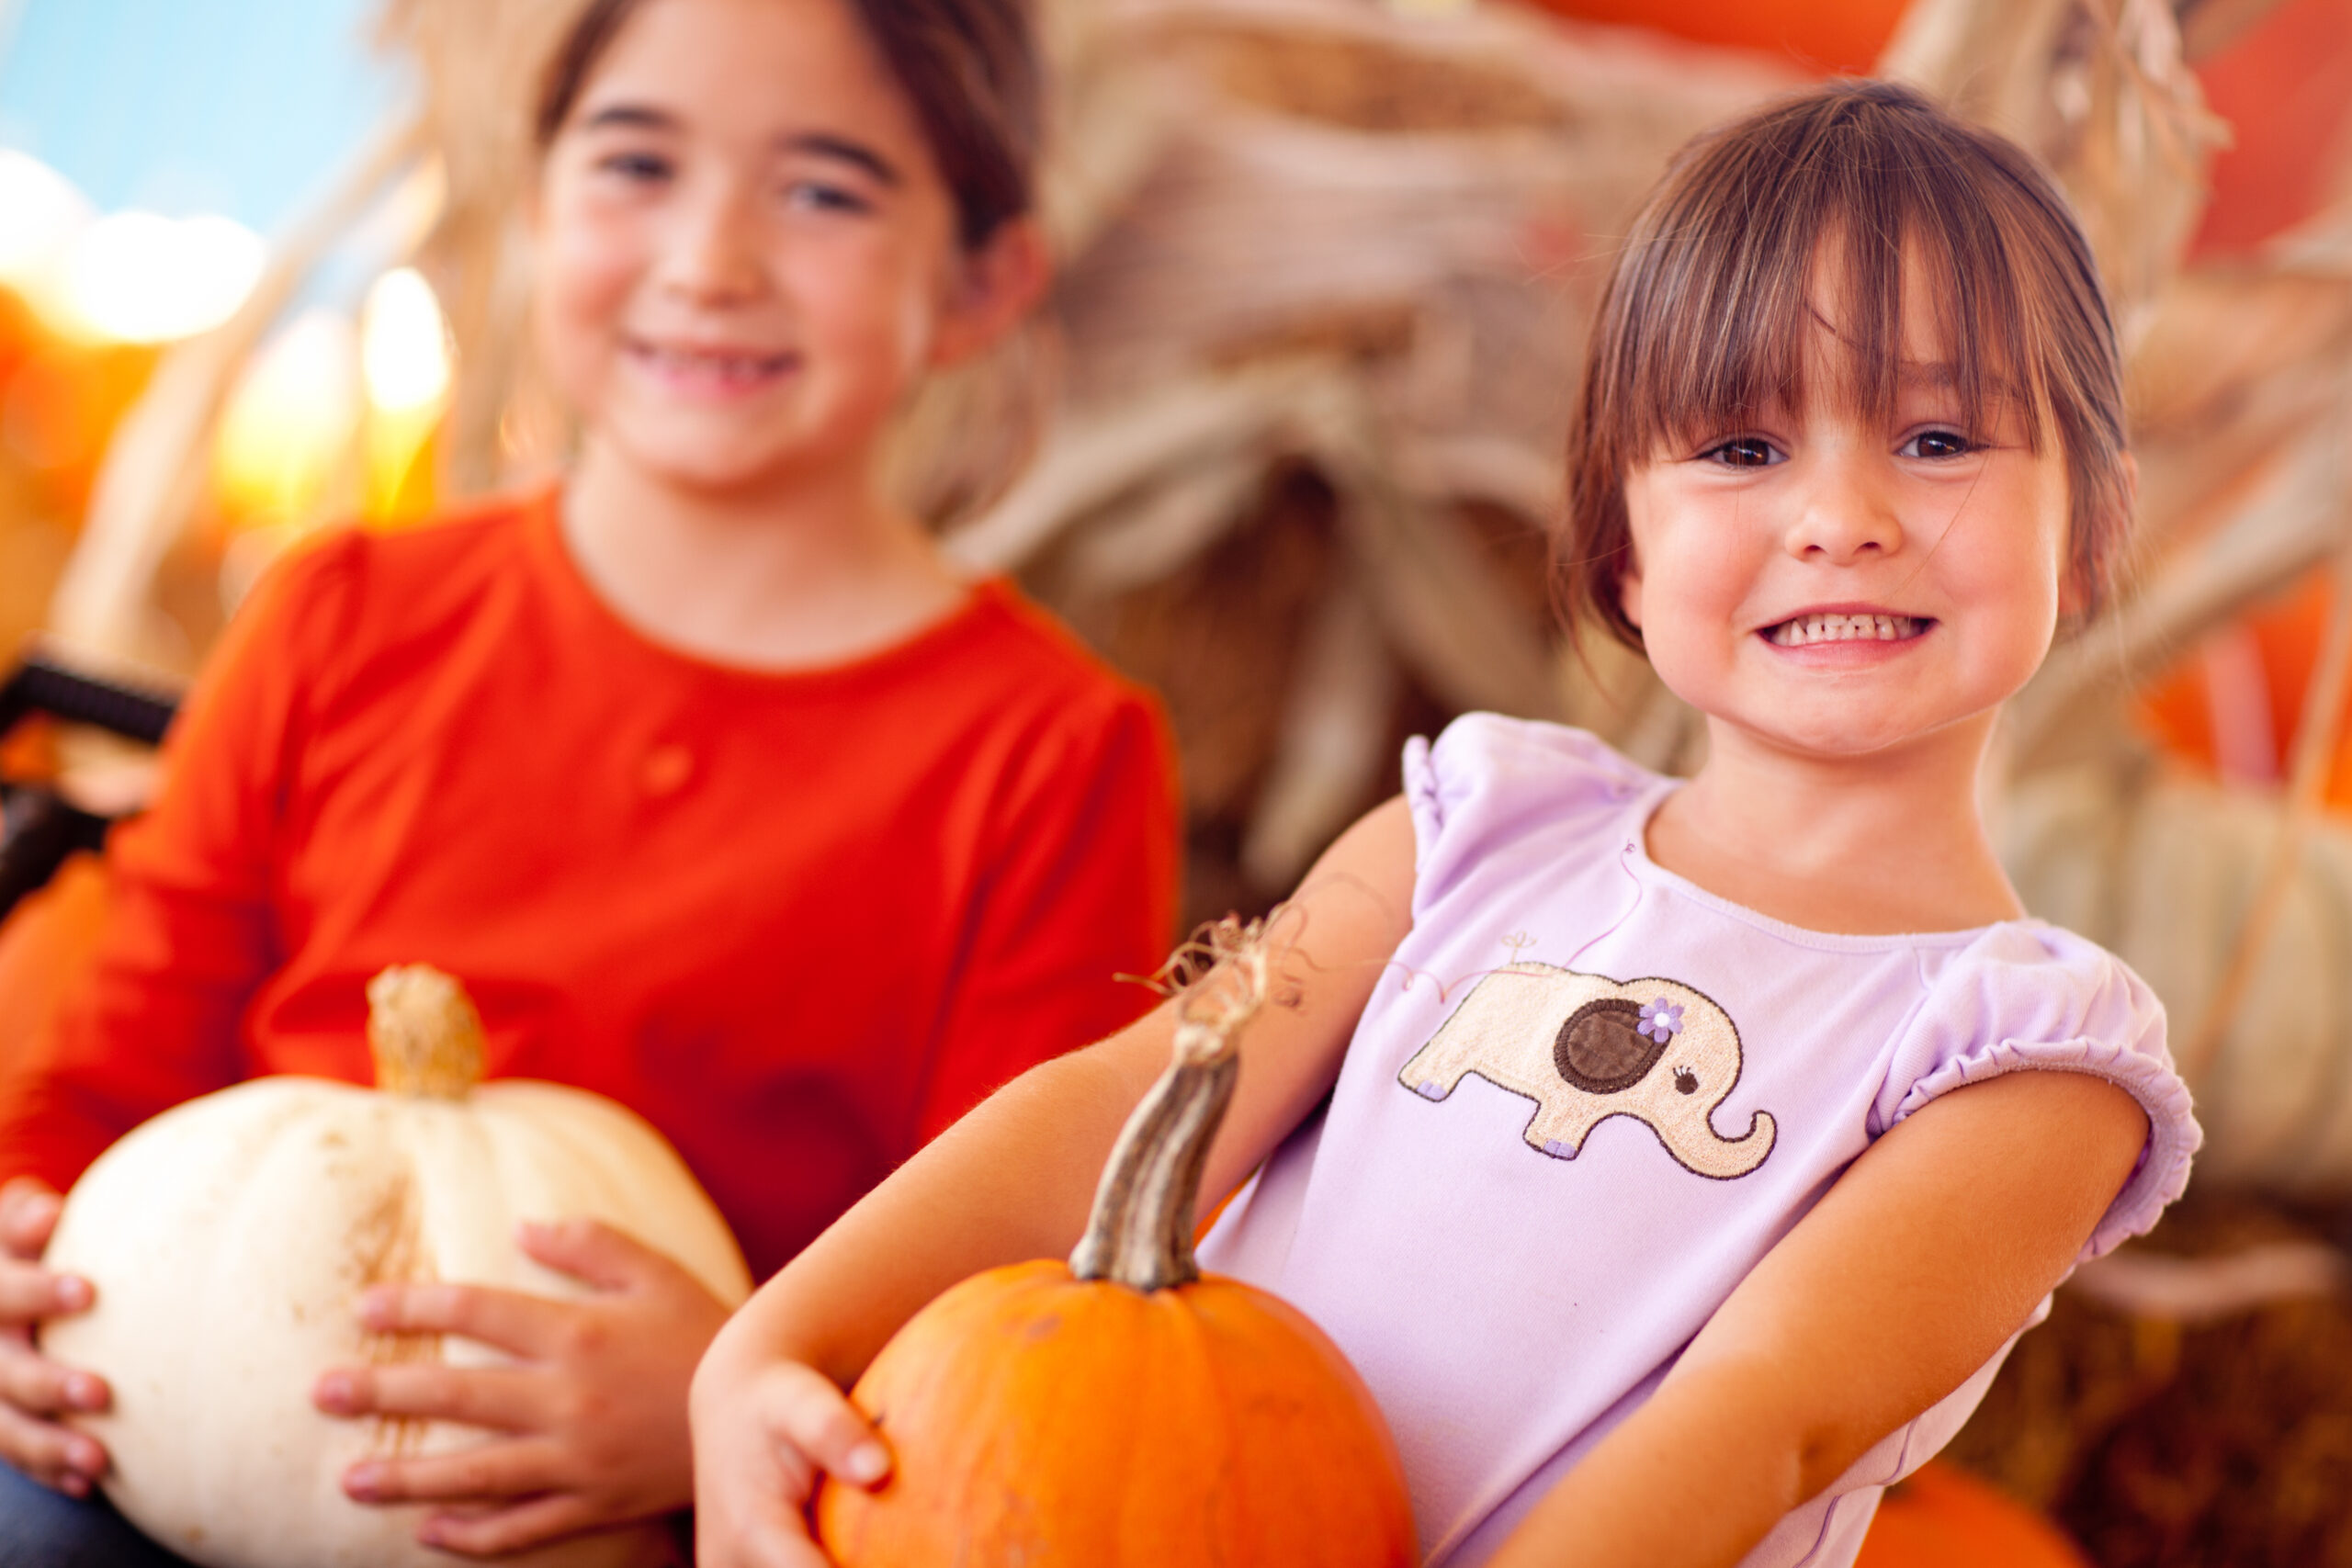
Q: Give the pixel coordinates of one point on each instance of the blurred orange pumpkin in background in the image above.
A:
(2284, 86)
(2233, 705)
(1834, 37)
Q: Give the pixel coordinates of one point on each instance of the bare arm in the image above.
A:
(1927, 1254)
(1012, 1182)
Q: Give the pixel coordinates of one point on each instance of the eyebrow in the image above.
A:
(637, 116)
(841, 148)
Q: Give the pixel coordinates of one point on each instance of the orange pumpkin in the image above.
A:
(2285, 86)
(1121, 1410)
(1825, 35)
(1944, 1517)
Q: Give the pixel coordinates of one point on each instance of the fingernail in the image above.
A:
(376, 1309)
(431, 1533)
(87, 1458)
(364, 1480)
(867, 1463)
(73, 1292)
(334, 1391)
(74, 1484)
(85, 1392)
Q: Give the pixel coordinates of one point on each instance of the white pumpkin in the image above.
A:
(230, 1238)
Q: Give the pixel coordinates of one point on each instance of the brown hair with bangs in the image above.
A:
(970, 68)
(1706, 319)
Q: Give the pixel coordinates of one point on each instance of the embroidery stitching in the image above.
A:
(1586, 1048)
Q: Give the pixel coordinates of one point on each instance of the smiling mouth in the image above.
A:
(717, 367)
(1809, 631)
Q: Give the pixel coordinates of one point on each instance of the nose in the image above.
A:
(712, 256)
(1845, 515)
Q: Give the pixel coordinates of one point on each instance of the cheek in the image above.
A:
(585, 275)
(874, 302)
(2011, 559)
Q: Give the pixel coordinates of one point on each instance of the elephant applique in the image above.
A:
(1585, 1048)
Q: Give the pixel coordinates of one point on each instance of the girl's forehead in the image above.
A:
(777, 68)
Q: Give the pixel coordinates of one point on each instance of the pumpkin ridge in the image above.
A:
(387, 1243)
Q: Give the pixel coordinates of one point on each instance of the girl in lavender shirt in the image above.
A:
(1677, 1161)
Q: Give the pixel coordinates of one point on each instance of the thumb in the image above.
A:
(608, 1258)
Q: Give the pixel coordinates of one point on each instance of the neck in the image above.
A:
(806, 571)
(1885, 843)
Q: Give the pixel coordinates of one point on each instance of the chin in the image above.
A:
(708, 468)
(1887, 738)
(713, 477)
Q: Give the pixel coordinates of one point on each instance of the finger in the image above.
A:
(497, 1469)
(55, 1456)
(535, 1327)
(507, 1529)
(812, 1421)
(502, 1399)
(29, 1210)
(29, 1292)
(34, 1383)
(592, 1250)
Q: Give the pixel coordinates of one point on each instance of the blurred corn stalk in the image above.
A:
(1322, 312)
(1325, 273)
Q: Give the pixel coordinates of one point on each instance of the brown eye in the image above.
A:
(636, 168)
(1939, 444)
(1744, 451)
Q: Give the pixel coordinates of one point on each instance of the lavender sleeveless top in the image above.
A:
(1589, 1096)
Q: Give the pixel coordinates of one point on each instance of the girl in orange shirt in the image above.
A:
(725, 797)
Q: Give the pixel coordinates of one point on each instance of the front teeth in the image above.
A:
(1806, 630)
(714, 366)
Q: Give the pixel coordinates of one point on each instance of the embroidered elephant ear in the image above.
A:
(1606, 1046)
(1586, 1048)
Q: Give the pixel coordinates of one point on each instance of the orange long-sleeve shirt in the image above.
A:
(800, 922)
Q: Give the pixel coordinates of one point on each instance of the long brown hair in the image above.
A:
(1706, 319)
(969, 67)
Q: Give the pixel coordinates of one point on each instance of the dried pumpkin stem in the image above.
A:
(1140, 1233)
(425, 1033)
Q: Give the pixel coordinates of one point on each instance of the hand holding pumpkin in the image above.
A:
(765, 1430)
(592, 1413)
(32, 1387)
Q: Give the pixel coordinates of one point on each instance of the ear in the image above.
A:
(990, 289)
(1629, 589)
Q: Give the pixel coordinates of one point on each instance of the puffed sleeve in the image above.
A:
(2031, 997)
(1082, 891)
(1488, 778)
(190, 930)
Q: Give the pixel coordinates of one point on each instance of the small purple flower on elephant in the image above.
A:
(1661, 1020)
